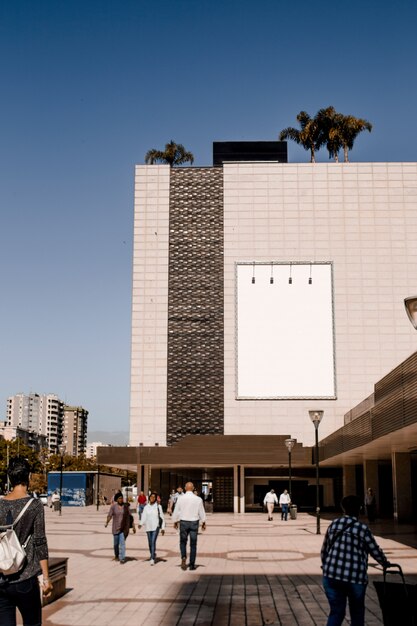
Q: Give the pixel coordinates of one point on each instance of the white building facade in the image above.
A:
(359, 218)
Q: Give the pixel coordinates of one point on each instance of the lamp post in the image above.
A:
(61, 449)
(7, 466)
(316, 417)
(98, 487)
(289, 443)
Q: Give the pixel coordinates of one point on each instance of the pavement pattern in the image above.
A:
(250, 572)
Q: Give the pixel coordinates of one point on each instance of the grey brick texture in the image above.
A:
(195, 395)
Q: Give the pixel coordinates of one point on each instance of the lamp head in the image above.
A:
(411, 308)
(290, 443)
(61, 449)
(316, 417)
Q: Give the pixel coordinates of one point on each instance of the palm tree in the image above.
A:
(348, 128)
(174, 154)
(329, 122)
(308, 136)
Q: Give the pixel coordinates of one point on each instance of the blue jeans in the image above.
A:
(338, 592)
(191, 529)
(119, 545)
(24, 596)
(152, 537)
(140, 510)
(284, 511)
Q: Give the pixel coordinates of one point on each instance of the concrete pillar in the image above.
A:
(139, 477)
(146, 479)
(349, 480)
(401, 484)
(242, 489)
(370, 478)
(235, 488)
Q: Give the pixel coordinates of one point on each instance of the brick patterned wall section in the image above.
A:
(195, 395)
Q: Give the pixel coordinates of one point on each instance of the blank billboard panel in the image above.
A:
(285, 334)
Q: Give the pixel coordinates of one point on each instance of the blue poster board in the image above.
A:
(76, 487)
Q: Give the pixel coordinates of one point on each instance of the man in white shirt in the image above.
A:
(284, 502)
(188, 513)
(270, 501)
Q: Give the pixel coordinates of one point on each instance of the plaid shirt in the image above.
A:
(344, 554)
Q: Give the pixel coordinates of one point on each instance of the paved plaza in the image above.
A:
(250, 572)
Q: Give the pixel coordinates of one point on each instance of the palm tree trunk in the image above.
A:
(313, 156)
(346, 153)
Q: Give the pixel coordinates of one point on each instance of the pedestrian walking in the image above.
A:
(188, 513)
(171, 502)
(56, 501)
(370, 505)
(154, 521)
(120, 515)
(142, 500)
(270, 501)
(344, 557)
(21, 590)
(284, 502)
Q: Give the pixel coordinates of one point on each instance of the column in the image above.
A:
(139, 479)
(401, 484)
(235, 488)
(370, 477)
(242, 489)
(146, 477)
(349, 480)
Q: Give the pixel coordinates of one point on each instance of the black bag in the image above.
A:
(398, 601)
(160, 520)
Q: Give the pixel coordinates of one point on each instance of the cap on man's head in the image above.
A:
(118, 495)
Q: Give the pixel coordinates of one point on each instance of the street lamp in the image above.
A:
(98, 487)
(7, 465)
(289, 443)
(316, 417)
(411, 308)
(61, 449)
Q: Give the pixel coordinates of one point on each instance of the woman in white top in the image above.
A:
(154, 521)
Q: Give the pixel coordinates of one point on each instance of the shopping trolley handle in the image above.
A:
(393, 568)
(387, 567)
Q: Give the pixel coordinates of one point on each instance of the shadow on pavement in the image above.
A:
(256, 600)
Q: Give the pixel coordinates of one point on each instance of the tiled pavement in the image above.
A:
(251, 572)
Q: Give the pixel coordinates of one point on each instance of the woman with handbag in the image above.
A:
(21, 590)
(154, 521)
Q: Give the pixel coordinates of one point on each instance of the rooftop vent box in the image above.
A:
(227, 151)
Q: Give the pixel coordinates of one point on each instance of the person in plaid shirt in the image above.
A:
(344, 557)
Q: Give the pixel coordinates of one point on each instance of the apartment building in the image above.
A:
(45, 414)
(75, 430)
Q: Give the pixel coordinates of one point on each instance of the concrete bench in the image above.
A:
(58, 569)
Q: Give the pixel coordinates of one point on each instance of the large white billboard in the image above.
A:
(285, 331)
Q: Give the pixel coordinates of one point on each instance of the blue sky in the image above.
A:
(88, 87)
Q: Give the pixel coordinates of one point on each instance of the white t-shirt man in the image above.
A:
(270, 500)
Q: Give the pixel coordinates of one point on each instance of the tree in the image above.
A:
(308, 136)
(11, 449)
(328, 121)
(347, 129)
(328, 127)
(174, 154)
